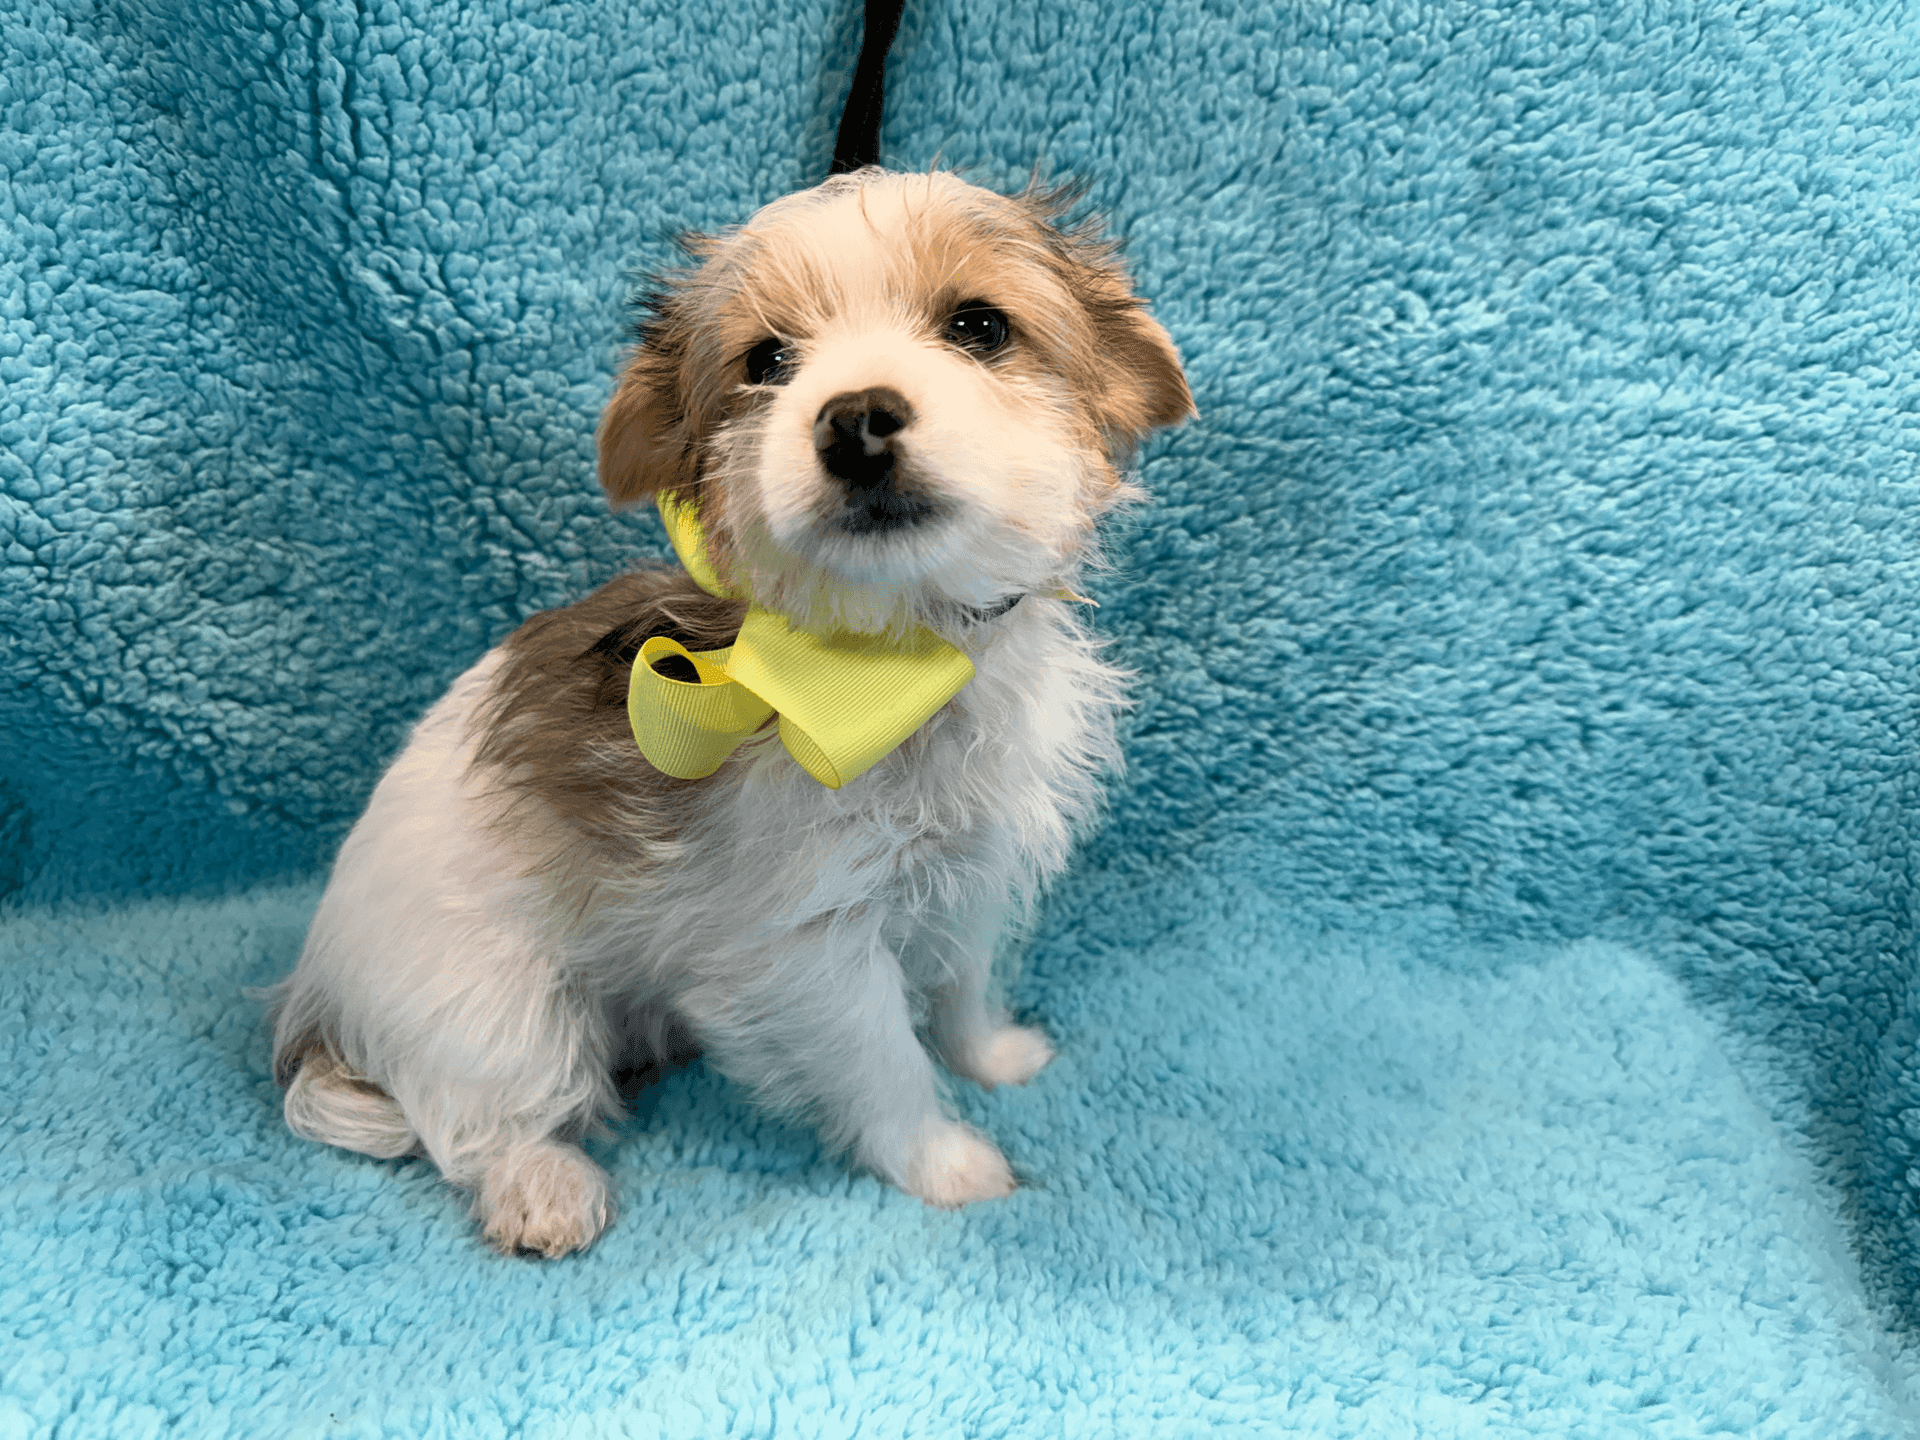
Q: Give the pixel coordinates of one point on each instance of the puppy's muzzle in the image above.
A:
(858, 436)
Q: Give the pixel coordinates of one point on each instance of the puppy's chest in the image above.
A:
(1019, 732)
(1020, 736)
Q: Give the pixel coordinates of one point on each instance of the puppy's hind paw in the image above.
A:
(548, 1198)
(957, 1166)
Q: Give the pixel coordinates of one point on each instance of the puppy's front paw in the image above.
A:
(548, 1198)
(1011, 1055)
(956, 1166)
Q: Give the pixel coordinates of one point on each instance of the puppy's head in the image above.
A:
(892, 395)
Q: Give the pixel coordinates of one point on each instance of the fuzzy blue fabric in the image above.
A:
(1493, 1007)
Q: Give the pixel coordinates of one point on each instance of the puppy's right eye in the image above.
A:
(769, 363)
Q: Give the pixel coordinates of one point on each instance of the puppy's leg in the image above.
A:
(492, 1110)
(432, 1009)
(823, 1029)
(499, 1098)
(429, 1013)
(972, 1035)
(543, 1196)
(494, 1099)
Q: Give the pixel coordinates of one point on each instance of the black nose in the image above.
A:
(853, 433)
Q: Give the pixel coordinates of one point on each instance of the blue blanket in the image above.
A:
(1493, 1006)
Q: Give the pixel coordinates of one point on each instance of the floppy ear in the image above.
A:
(1133, 381)
(641, 447)
(1147, 388)
(649, 437)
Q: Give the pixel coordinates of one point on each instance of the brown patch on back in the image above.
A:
(555, 730)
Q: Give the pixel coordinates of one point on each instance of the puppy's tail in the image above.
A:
(328, 1102)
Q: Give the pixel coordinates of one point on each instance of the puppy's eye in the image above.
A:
(979, 328)
(770, 362)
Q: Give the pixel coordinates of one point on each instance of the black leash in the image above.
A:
(858, 142)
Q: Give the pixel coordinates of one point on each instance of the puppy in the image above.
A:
(898, 402)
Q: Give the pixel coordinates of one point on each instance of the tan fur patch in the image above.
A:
(1077, 320)
(1130, 376)
(650, 435)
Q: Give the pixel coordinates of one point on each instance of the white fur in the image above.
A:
(803, 936)
(474, 977)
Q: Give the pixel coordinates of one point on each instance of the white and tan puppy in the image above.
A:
(898, 401)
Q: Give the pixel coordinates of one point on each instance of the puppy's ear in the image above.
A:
(1148, 388)
(649, 437)
(1133, 382)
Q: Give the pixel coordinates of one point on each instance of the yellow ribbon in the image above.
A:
(844, 702)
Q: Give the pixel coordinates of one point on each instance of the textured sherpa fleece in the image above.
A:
(1493, 1006)
(1318, 1177)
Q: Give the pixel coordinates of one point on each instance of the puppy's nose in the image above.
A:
(853, 433)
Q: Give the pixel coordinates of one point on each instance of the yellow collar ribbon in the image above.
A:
(845, 702)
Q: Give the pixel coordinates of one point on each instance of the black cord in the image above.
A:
(858, 142)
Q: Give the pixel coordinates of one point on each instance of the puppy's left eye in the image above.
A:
(979, 328)
(770, 362)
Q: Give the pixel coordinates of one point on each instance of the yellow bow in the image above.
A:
(844, 703)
